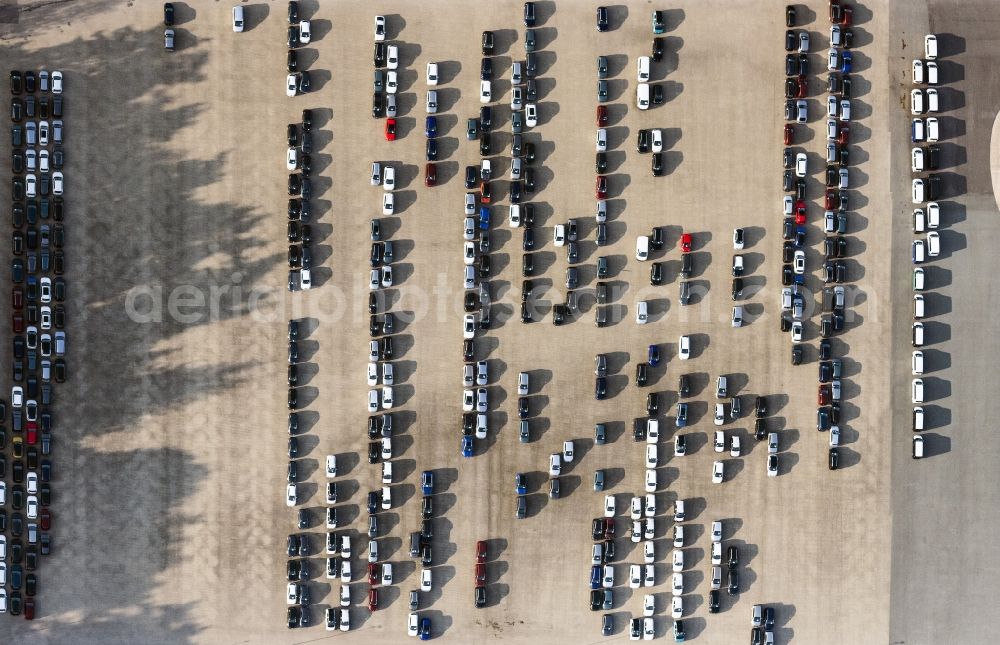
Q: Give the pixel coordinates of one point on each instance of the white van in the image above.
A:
(305, 279)
(917, 254)
(918, 72)
(916, 102)
(918, 447)
(918, 306)
(932, 100)
(917, 339)
(642, 69)
(237, 19)
(642, 96)
(933, 244)
(918, 131)
(917, 389)
(933, 215)
(932, 72)
(721, 387)
(932, 129)
(930, 46)
(514, 218)
(919, 279)
(917, 362)
(918, 418)
(642, 312)
(642, 248)
(919, 221)
(919, 188)
(679, 511)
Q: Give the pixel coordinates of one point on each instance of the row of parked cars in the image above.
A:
(926, 213)
(297, 80)
(38, 330)
(298, 161)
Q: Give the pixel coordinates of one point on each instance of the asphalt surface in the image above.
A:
(170, 520)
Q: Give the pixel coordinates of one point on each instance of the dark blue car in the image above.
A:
(595, 576)
(427, 482)
(425, 629)
(521, 483)
(845, 62)
(431, 126)
(466, 446)
(654, 355)
(484, 217)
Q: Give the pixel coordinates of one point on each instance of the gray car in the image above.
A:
(602, 91)
(602, 67)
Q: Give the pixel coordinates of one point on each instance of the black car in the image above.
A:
(374, 452)
(486, 117)
(522, 407)
(635, 629)
(293, 12)
(845, 87)
(734, 582)
(529, 14)
(514, 192)
(642, 141)
(658, 168)
(431, 150)
(597, 528)
(426, 556)
(796, 354)
(713, 601)
(803, 65)
(641, 374)
(378, 56)
(737, 288)
(471, 176)
(528, 154)
(658, 47)
(487, 43)
(527, 264)
(484, 143)
(834, 459)
(596, 599)
(378, 105)
(294, 616)
(528, 241)
(791, 65)
(602, 19)
(468, 349)
(652, 403)
(600, 388)
(486, 69)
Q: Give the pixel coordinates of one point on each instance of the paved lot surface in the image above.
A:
(170, 522)
(942, 511)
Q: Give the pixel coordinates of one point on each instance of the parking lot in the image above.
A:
(170, 513)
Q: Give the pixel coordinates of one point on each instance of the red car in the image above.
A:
(390, 129)
(485, 194)
(803, 89)
(372, 599)
(602, 116)
(789, 134)
(846, 16)
(18, 298)
(686, 243)
(800, 216)
(29, 609)
(823, 395)
(430, 175)
(45, 519)
(32, 430)
(609, 528)
(17, 321)
(480, 574)
(830, 200)
(481, 551)
(835, 15)
(843, 135)
(602, 187)
(374, 573)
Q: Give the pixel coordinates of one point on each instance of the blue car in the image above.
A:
(682, 415)
(654, 355)
(427, 482)
(845, 62)
(425, 629)
(521, 483)
(595, 576)
(484, 217)
(466, 446)
(431, 126)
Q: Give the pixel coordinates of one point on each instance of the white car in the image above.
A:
(678, 560)
(432, 73)
(649, 509)
(372, 374)
(425, 580)
(652, 458)
(636, 531)
(609, 506)
(388, 374)
(31, 185)
(290, 85)
(485, 91)
(650, 481)
(379, 28)
(677, 584)
(734, 446)
(522, 383)
(392, 57)
(656, 140)
(717, 472)
(634, 576)
(293, 593)
(602, 140)
(468, 400)
(43, 133)
(391, 82)
(717, 531)
(555, 464)
(291, 494)
(389, 178)
(292, 159)
(831, 106)
(648, 551)
(796, 331)
(469, 253)
(648, 629)
(801, 165)
(845, 110)
(386, 448)
(57, 82)
(567, 451)
(678, 535)
(676, 607)
(331, 465)
(652, 430)
(641, 312)
(432, 102)
(386, 498)
(17, 396)
(531, 115)
(649, 579)
(799, 262)
(559, 235)
(684, 347)
(386, 275)
(737, 319)
(386, 573)
(635, 510)
(720, 441)
(387, 398)
(608, 577)
(411, 624)
(648, 605)
(642, 248)
(716, 553)
(918, 72)
(834, 436)
(832, 60)
(469, 326)
(305, 32)
(720, 414)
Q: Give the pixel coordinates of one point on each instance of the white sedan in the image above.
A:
(684, 347)
(425, 580)
(305, 32)
(609, 506)
(799, 262)
(391, 83)
(485, 92)
(531, 115)
(656, 140)
(372, 374)
(331, 465)
(379, 28)
(634, 576)
(292, 160)
(678, 560)
(717, 472)
(291, 494)
(290, 85)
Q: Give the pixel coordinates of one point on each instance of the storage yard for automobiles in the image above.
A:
(171, 452)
